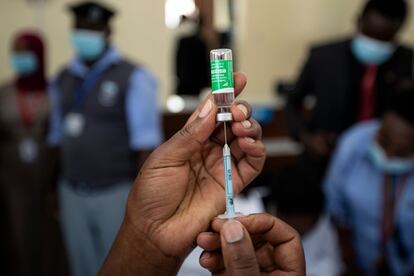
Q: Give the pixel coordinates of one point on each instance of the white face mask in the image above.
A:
(88, 44)
(371, 51)
(394, 166)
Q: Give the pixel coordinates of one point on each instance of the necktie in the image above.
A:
(367, 100)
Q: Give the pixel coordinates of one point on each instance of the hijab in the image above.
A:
(36, 81)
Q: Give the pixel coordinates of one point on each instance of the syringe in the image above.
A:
(222, 86)
(230, 212)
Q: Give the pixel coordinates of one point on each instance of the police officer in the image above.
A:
(105, 121)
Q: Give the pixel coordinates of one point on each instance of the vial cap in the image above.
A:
(221, 54)
(224, 117)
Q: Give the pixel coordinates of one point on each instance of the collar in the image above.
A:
(78, 67)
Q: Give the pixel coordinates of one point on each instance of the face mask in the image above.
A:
(371, 51)
(88, 44)
(395, 166)
(24, 63)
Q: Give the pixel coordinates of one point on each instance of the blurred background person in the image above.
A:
(350, 80)
(192, 64)
(370, 191)
(31, 234)
(106, 121)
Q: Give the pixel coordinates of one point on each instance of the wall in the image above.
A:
(272, 35)
(139, 30)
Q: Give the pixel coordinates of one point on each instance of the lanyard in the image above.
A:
(90, 80)
(28, 108)
(392, 191)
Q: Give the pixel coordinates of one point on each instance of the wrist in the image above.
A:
(134, 254)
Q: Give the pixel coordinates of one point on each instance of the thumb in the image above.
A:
(194, 134)
(238, 251)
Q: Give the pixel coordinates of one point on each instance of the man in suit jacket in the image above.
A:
(350, 78)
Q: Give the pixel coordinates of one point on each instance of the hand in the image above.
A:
(253, 245)
(319, 143)
(180, 189)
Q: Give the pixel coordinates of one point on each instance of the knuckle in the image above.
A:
(265, 216)
(187, 130)
(243, 261)
(257, 127)
(261, 149)
(247, 105)
(294, 233)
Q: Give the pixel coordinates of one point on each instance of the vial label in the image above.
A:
(222, 76)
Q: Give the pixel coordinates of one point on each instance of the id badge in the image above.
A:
(29, 150)
(74, 124)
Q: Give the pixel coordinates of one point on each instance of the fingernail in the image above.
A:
(246, 124)
(243, 109)
(250, 140)
(233, 231)
(206, 255)
(206, 109)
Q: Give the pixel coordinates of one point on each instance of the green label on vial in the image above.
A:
(222, 76)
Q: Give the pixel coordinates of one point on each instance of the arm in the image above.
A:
(180, 66)
(294, 108)
(53, 150)
(336, 205)
(54, 135)
(347, 251)
(319, 143)
(143, 114)
(55, 118)
(133, 254)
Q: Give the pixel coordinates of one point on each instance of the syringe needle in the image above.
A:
(225, 133)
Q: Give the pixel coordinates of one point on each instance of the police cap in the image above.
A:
(94, 11)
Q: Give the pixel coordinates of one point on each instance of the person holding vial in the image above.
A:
(179, 193)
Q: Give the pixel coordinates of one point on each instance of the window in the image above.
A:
(174, 9)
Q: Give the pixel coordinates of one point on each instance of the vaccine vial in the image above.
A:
(222, 83)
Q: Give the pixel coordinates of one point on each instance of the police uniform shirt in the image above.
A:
(141, 111)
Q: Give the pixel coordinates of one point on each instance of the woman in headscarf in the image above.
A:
(25, 174)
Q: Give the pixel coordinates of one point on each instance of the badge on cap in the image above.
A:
(95, 13)
(74, 124)
(109, 93)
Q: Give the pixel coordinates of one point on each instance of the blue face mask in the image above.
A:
(89, 45)
(24, 63)
(394, 166)
(371, 51)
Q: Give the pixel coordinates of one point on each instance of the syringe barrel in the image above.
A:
(228, 182)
